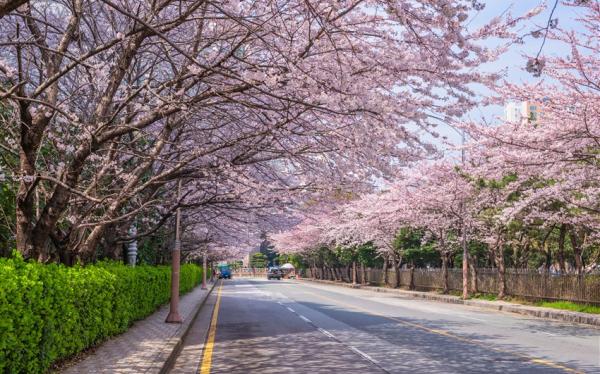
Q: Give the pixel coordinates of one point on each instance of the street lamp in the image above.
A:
(464, 244)
(174, 316)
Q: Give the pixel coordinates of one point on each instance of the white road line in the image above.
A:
(291, 310)
(363, 354)
(304, 318)
(280, 303)
(327, 333)
(473, 318)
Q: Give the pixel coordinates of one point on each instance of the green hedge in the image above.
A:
(49, 312)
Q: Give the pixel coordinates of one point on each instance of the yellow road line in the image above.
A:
(210, 341)
(448, 334)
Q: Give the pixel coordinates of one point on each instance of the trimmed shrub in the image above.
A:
(50, 312)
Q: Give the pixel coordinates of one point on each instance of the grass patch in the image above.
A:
(568, 305)
(485, 296)
(477, 296)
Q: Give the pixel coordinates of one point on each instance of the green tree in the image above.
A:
(258, 260)
(267, 249)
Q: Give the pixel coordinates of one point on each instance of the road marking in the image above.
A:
(454, 336)
(473, 318)
(331, 336)
(326, 333)
(210, 342)
(548, 333)
(363, 354)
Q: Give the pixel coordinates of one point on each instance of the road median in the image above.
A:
(528, 310)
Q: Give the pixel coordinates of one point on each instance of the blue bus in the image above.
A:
(224, 272)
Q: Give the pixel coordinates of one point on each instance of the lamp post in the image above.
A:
(174, 316)
(204, 268)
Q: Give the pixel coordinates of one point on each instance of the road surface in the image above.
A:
(300, 327)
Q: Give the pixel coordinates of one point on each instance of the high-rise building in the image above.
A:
(523, 111)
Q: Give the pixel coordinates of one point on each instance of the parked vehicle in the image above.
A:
(224, 272)
(274, 272)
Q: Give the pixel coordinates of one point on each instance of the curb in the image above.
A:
(174, 345)
(539, 312)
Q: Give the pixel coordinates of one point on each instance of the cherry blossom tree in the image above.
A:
(435, 197)
(113, 102)
(553, 157)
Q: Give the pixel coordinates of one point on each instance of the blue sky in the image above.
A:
(512, 63)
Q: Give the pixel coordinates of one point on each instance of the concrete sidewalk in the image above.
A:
(534, 311)
(149, 346)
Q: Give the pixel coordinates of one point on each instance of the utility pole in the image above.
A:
(174, 316)
(465, 262)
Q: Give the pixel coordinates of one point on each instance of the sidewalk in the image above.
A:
(534, 311)
(149, 346)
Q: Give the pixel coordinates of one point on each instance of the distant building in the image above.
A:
(523, 111)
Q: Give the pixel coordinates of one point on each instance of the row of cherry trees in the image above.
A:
(525, 192)
(116, 113)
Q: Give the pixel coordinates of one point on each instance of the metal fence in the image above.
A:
(249, 272)
(527, 284)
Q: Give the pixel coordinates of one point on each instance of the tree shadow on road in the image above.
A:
(284, 343)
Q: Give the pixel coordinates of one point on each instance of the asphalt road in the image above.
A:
(300, 327)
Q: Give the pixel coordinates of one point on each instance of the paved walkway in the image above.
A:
(146, 346)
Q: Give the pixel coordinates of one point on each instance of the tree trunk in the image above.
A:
(363, 275)
(548, 263)
(561, 249)
(411, 284)
(499, 254)
(445, 260)
(354, 272)
(32, 132)
(465, 266)
(473, 266)
(385, 268)
(397, 264)
(547, 251)
(576, 244)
